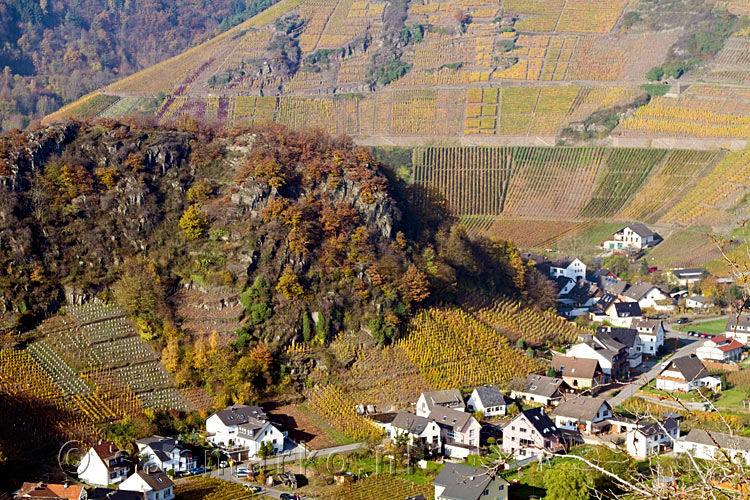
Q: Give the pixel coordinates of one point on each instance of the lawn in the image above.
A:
(714, 327)
(650, 389)
(731, 398)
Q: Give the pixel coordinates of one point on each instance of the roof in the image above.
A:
(383, 418)
(646, 324)
(725, 344)
(241, 414)
(448, 417)
(490, 395)
(462, 482)
(605, 301)
(155, 478)
(612, 285)
(575, 367)
(163, 447)
(743, 321)
(563, 262)
(627, 309)
(410, 422)
(582, 408)
(580, 292)
(690, 367)
(540, 421)
(109, 494)
(726, 441)
(625, 336)
(450, 397)
(699, 298)
(540, 385)
(692, 272)
(638, 290)
(655, 428)
(639, 229)
(49, 490)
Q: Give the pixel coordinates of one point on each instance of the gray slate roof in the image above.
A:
(654, 428)
(647, 324)
(693, 272)
(462, 482)
(627, 309)
(640, 229)
(540, 385)
(690, 367)
(448, 417)
(638, 290)
(490, 395)
(581, 408)
(540, 421)
(700, 436)
(410, 422)
(155, 478)
(163, 447)
(625, 336)
(612, 285)
(449, 397)
(241, 414)
(743, 321)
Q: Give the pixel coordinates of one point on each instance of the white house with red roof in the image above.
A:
(50, 491)
(721, 348)
(103, 464)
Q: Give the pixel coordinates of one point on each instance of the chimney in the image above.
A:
(66, 484)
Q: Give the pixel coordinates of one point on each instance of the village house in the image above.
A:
(579, 373)
(152, 483)
(687, 277)
(652, 438)
(240, 430)
(462, 482)
(650, 333)
(627, 337)
(489, 400)
(738, 328)
(417, 429)
(573, 269)
(531, 433)
(648, 296)
(459, 431)
(166, 453)
(700, 444)
(623, 314)
(635, 236)
(685, 374)
(698, 302)
(611, 355)
(50, 491)
(449, 398)
(538, 389)
(720, 348)
(103, 464)
(584, 414)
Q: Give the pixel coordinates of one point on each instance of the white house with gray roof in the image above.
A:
(242, 429)
(738, 328)
(448, 398)
(489, 400)
(459, 431)
(538, 389)
(417, 429)
(462, 482)
(166, 453)
(652, 438)
(636, 236)
(152, 484)
(582, 413)
(685, 374)
(701, 444)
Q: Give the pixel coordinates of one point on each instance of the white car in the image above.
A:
(223, 464)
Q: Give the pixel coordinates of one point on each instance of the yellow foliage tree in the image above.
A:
(289, 284)
(193, 222)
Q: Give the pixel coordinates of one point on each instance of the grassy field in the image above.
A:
(731, 398)
(713, 327)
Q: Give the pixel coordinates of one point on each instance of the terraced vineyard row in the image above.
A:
(338, 408)
(383, 487)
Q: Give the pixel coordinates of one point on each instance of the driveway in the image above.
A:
(226, 475)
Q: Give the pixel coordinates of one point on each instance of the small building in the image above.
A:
(50, 491)
(417, 429)
(611, 355)
(166, 453)
(687, 276)
(103, 464)
(239, 430)
(152, 483)
(650, 333)
(573, 269)
(449, 398)
(623, 314)
(648, 296)
(701, 444)
(721, 348)
(584, 414)
(627, 337)
(652, 438)
(459, 431)
(698, 302)
(738, 328)
(489, 400)
(579, 373)
(538, 389)
(532, 433)
(463, 482)
(635, 236)
(685, 374)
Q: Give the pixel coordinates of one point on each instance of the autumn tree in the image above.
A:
(289, 284)
(193, 222)
(415, 286)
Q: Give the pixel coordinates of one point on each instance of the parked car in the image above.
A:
(240, 475)
(692, 333)
(253, 488)
(704, 335)
(287, 496)
(198, 470)
(223, 464)
(682, 321)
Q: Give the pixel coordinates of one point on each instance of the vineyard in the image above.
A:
(338, 409)
(382, 487)
(529, 233)
(206, 488)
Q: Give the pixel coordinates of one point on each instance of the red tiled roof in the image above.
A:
(44, 490)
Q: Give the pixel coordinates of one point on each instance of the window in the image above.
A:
(471, 432)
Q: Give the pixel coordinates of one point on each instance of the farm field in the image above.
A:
(530, 233)
(713, 327)
(684, 248)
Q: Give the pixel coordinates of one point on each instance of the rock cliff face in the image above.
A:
(76, 201)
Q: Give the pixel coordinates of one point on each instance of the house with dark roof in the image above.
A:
(573, 269)
(579, 373)
(685, 374)
(583, 413)
(738, 328)
(651, 333)
(166, 453)
(459, 431)
(449, 398)
(463, 482)
(720, 348)
(151, 483)
(647, 439)
(714, 446)
(111, 494)
(623, 314)
(239, 430)
(634, 236)
(531, 433)
(103, 464)
(648, 296)
(489, 400)
(50, 491)
(611, 355)
(538, 389)
(417, 430)
(687, 276)
(627, 337)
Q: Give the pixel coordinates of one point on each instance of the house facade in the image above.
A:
(459, 431)
(652, 438)
(539, 389)
(489, 400)
(611, 355)
(584, 414)
(103, 464)
(531, 433)
(462, 482)
(650, 333)
(240, 430)
(738, 328)
(448, 398)
(634, 236)
(698, 302)
(579, 373)
(721, 348)
(626, 336)
(573, 269)
(685, 374)
(166, 453)
(648, 296)
(417, 430)
(623, 314)
(700, 444)
(687, 276)
(152, 483)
